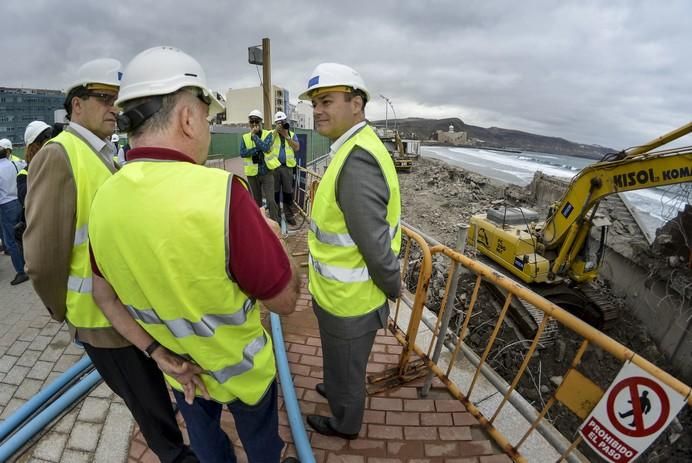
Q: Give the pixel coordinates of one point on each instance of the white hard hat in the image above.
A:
(256, 113)
(115, 138)
(105, 71)
(280, 116)
(161, 71)
(5, 144)
(334, 75)
(33, 130)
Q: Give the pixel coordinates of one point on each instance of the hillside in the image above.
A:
(496, 137)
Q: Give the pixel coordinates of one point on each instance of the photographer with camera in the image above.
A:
(284, 147)
(259, 162)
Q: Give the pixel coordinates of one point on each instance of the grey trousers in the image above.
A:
(344, 362)
(284, 179)
(264, 185)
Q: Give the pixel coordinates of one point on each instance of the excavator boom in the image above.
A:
(605, 178)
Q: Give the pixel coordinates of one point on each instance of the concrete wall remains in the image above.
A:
(667, 317)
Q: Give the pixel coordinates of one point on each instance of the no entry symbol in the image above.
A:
(643, 397)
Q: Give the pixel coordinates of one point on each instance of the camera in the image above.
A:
(286, 125)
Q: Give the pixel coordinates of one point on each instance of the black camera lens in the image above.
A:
(286, 125)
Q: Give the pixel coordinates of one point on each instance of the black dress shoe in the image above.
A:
(19, 278)
(321, 390)
(321, 425)
(290, 460)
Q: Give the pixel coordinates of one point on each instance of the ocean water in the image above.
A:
(653, 207)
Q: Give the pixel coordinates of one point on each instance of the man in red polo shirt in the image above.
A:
(182, 257)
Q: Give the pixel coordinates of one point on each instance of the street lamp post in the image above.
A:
(386, 106)
(386, 111)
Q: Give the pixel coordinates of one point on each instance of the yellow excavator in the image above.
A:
(557, 256)
(404, 152)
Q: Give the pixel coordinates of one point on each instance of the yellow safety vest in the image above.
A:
(288, 150)
(22, 172)
(89, 174)
(339, 278)
(270, 159)
(165, 254)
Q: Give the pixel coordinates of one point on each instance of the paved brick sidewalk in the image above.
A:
(34, 351)
(399, 427)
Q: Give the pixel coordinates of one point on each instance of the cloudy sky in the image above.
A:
(615, 73)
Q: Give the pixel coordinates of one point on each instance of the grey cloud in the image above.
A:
(613, 73)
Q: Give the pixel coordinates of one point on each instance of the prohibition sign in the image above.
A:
(633, 383)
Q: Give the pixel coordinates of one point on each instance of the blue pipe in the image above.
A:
(15, 442)
(14, 420)
(295, 418)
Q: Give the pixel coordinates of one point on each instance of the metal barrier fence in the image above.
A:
(305, 187)
(476, 325)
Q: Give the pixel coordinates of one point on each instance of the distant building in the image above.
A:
(19, 106)
(301, 117)
(452, 137)
(240, 101)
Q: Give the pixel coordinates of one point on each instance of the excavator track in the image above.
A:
(586, 301)
(610, 312)
(526, 317)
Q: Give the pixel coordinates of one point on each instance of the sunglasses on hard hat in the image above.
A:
(107, 99)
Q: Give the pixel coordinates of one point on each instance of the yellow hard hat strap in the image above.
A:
(102, 87)
(337, 88)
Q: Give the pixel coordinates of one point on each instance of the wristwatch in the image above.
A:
(149, 351)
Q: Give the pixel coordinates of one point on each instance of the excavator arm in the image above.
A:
(634, 169)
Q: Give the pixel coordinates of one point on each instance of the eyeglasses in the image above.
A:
(206, 99)
(108, 99)
(255, 121)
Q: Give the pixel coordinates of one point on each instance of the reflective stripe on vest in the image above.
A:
(342, 239)
(250, 168)
(245, 365)
(81, 235)
(288, 150)
(249, 352)
(338, 275)
(343, 275)
(181, 327)
(165, 255)
(79, 285)
(89, 173)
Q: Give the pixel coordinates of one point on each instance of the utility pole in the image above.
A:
(267, 83)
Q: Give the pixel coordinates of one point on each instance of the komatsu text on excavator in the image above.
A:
(558, 257)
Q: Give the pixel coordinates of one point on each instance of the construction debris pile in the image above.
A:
(438, 197)
(671, 253)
